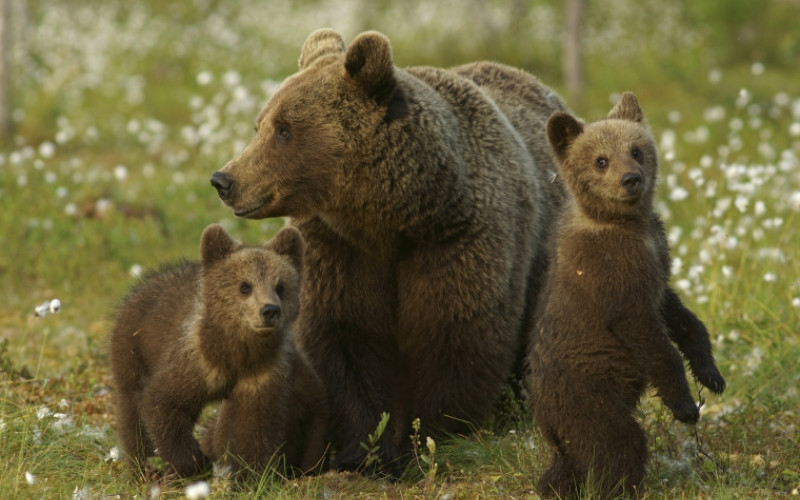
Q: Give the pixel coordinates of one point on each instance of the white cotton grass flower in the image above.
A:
(43, 412)
(795, 303)
(204, 78)
(30, 478)
(136, 270)
(120, 172)
(47, 307)
(678, 194)
(81, 493)
(155, 491)
(198, 490)
(113, 455)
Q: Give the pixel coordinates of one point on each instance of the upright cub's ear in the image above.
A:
(289, 242)
(627, 108)
(369, 62)
(320, 43)
(562, 129)
(216, 244)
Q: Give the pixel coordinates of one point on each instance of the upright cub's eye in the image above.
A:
(282, 132)
(245, 288)
(637, 153)
(601, 163)
(279, 289)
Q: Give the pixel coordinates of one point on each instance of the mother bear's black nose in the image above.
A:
(223, 185)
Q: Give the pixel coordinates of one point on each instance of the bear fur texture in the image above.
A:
(196, 332)
(605, 317)
(424, 198)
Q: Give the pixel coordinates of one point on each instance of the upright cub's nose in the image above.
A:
(632, 182)
(270, 313)
(223, 185)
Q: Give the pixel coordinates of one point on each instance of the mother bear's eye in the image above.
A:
(279, 289)
(245, 288)
(282, 132)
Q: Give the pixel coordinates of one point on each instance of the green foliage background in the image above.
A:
(122, 110)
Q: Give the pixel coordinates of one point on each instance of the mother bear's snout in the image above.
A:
(223, 184)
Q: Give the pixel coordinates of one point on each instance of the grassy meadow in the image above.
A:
(123, 110)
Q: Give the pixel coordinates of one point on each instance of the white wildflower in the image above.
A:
(678, 194)
(136, 270)
(46, 149)
(715, 75)
(155, 491)
(794, 129)
(683, 285)
(43, 412)
(760, 208)
(197, 491)
(204, 78)
(231, 78)
(47, 307)
(743, 98)
(794, 200)
(30, 478)
(742, 203)
(677, 264)
(81, 493)
(113, 455)
(120, 172)
(770, 277)
(757, 68)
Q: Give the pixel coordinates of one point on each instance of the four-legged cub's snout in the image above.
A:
(270, 314)
(223, 184)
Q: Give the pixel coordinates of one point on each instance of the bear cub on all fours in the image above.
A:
(605, 317)
(196, 332)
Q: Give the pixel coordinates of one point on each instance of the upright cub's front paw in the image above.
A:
(684, 410)
(710, 377)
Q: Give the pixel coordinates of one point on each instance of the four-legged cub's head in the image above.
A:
(251, 289)
(610, 166)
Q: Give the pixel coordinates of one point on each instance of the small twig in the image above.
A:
(700, 451)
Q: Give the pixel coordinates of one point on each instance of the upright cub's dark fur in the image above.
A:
(195, 332)
(604, 320)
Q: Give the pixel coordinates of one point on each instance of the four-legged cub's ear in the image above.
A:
(562, 129)
(320, 43)
(216, 244)
(627, 108)
(289, 242)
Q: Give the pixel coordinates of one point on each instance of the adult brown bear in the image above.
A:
(424, 200)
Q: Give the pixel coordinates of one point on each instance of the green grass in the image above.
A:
(109, 169)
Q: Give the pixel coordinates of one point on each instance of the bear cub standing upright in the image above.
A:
(196, 332)
(600, 335)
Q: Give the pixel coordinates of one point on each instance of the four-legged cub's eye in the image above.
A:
(637, 154)
(280, 289)
(245, 288)
(601, 163)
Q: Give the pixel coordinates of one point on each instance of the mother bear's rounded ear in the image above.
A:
(321, 42)
(369, 62)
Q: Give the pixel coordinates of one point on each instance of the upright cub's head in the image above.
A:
(610, 166)
(251, 290)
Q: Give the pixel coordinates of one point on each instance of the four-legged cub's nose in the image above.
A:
(270, 314)
(223, 184)
(631, 182)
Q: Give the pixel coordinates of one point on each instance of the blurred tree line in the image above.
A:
(571, 44)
